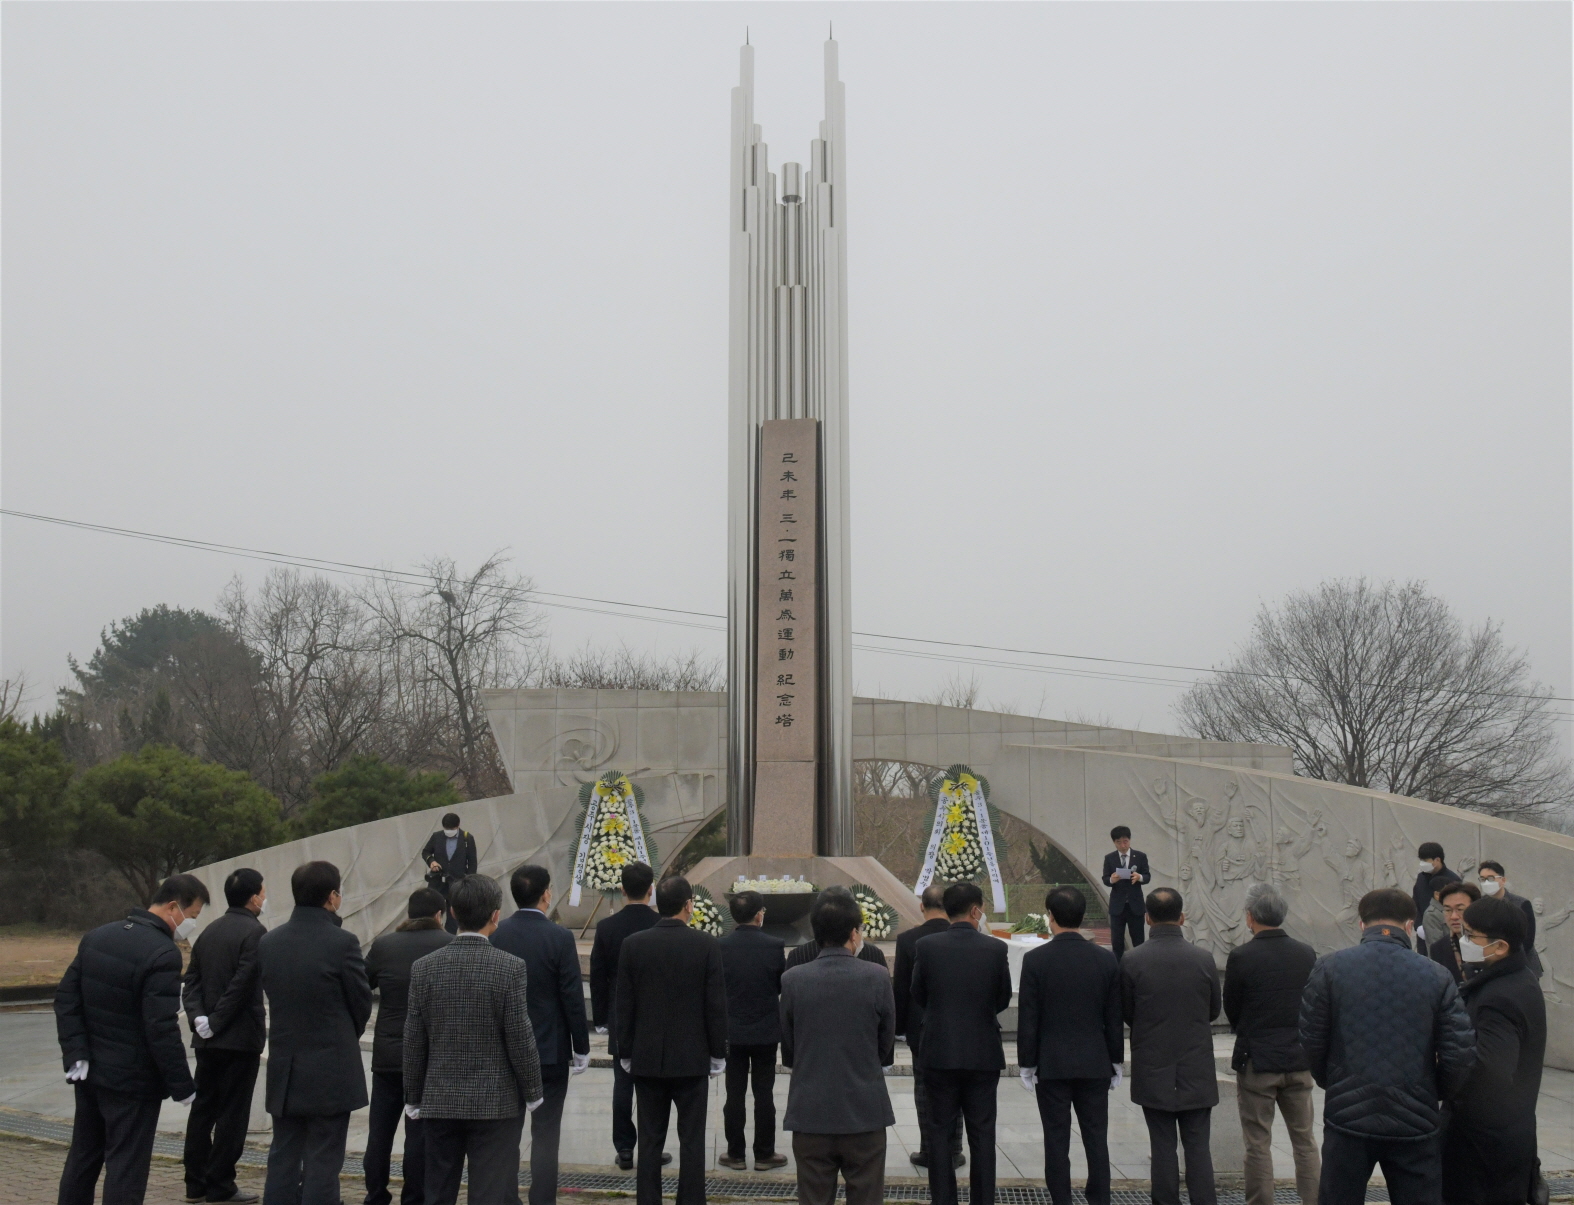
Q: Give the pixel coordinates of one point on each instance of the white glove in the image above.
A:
(717, 1066)
(1029, 1078)
(888, 1069)
(78, 1071)
(1114, 1080)
(627, 1065)
(1421, 934)
(204, 1030)
(601, 1029)
(188, 1100)
(413, 1112)
(580, 1062)
(532, 1105)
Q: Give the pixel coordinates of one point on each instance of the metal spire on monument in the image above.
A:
(788, 616)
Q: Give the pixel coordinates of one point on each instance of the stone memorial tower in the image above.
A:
(789, 631)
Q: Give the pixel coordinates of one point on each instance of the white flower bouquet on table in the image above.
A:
(1033, 923)
(773, 886)
(880, 919)
(611, 834)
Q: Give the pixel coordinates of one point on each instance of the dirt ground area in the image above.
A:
(34, 954)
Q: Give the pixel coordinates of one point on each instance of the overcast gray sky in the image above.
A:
(1157, 311)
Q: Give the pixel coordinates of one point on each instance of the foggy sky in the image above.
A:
(1157, 312)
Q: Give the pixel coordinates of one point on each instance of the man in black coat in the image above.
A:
(1263, 981)
(672, 1033)
(962, 981)
(319, 1003)
(557, 1014)
(1489, 1151)
(1456, 897)
(1494, 885)
(752, 961)
(1431, 865)
(810, 950)
(1170, 996)
(910, 1018)
(117, 1017)
(388, 964)
(448, 855)
(1387, 1038)
(1071, 1043)
(635, 916)
(1125, 871)
(223, 998)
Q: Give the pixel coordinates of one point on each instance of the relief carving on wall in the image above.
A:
(578, 753)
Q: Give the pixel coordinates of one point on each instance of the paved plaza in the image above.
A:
(31, 1083)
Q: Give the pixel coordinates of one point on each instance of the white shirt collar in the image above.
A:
(482, 936)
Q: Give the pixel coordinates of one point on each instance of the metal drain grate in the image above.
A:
(31, 1125)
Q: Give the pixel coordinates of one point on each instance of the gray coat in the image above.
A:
(838, 1032)
(469, 1049)
(1170, 995)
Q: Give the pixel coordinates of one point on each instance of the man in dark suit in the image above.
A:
(449, 855)
(388, 964)
(962, 980)
(470, 1062)
(1071, 1043)
(557, 1014)
(1263, 982)
(838, 1034)
(1170, 996)
(635, 916)
(1489, 1151)
(752, 961)
(910, 1018)
(672, 1033)
(117, 1015)
(1430, 865)
(1444, 949)
(1494, 885)
(1125, 871)
(222, 995)
(810, 950)
(319, 1003)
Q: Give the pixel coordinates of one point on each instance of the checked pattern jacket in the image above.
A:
(469, 1049)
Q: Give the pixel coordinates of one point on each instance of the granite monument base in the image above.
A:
(718, 875)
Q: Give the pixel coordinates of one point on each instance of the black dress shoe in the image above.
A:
(959, 1160)
(625, 1161)
(918, 1158)
(666, 1158)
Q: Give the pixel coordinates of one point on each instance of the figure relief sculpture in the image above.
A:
(1544, 926)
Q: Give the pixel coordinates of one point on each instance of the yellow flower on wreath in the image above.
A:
(615, 857)
(955, 844)
(954, 814)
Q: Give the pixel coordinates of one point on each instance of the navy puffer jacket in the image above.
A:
(1386, 1036)
(117, 1008)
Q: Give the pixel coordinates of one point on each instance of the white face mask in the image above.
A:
(185, 928)
(1423, 867)
(1491, 886)
(1470, 952)
(262, 908)
(450, 832)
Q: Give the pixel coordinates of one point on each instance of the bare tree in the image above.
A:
(1381, 686)
(457, 634)
(957, 691)
(626, 669)
(15, 694)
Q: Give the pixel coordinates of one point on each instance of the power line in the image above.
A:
(576, 603)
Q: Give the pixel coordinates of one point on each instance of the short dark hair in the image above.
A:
(313, 882)
(1441, 880)
(636, 879)
(184, 889)
(746, 906)
(671, 894)
(1496, 867)
(451, 820)
(1428, 850)
(1498, 920)
(1119, 831)
(1460, 887)
(241, 885)
(933, 898)
(473, 899)
(835, 917)
(529, 884)
(1386, 903)
(960, 898)
(424, 902)
(1164, 906)
(1068, 906)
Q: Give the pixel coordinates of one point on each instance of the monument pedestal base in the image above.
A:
(717, 875)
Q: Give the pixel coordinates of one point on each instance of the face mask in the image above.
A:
(450, 832)
(1470, 952)
(1423, 867)
(185, 929)
(262, 908)
(1491, 886)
